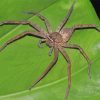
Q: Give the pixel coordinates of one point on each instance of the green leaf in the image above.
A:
(22, 62)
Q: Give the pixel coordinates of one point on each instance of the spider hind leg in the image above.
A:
(75, 46)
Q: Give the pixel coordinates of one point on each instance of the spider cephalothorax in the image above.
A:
(54, 39)
(57, 41)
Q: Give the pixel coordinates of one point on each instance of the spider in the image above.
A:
(57, 41)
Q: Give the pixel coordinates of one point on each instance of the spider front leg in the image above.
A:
(50, 66)
(35, 26)
(63, 52)
(86, 26)
(19, 36)
(74, 46)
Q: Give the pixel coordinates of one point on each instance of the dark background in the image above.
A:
(96, 4)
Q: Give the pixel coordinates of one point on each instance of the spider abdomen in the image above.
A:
(66, 34)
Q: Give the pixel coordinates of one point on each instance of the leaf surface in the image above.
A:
(22, 62)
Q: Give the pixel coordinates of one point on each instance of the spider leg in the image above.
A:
(63, 52)
(19, 36)
(66, 17)
(35, 26)
(74, 46)
(47, 24)
(86, 26)
(50, 66)
(50, 52)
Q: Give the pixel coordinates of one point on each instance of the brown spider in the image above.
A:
(57, 41)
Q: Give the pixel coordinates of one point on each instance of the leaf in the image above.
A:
(22, 62)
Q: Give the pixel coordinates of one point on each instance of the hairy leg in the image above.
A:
(63, 52)
(86, 26)
(50, 66)
(66, 18)
(36, 27)
(47, 24)
(74, 46)
(19, 36)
